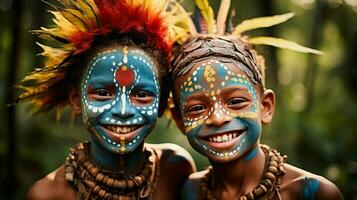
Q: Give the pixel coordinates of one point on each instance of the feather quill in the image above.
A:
(284, 44)
(207, 14)
(222, 16)
(261, 22)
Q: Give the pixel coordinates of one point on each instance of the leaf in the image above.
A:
(284, 44)
(261, 22)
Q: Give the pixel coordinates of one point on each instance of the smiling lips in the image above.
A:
(117, 133)
(223, 140)
(122, 129)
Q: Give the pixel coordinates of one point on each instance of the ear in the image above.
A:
(176, 115)
(74, 101)
(268, 106)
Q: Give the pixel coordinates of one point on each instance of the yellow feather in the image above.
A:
(179, 23)
(261, 22)
(76, 20)
(65, 28)
(284, 44)
(54, 55)
(207, 14)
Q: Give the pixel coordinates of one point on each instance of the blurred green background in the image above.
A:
(315, 122)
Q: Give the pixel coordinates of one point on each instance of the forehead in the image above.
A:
(105, 62)
(212, 74)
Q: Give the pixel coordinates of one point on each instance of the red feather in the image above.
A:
(122, 17)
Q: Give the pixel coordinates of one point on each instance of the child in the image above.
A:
(221, 103)
(108, 60)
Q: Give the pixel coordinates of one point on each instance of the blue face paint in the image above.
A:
(311, 187)
(217, 92)
(120, 98)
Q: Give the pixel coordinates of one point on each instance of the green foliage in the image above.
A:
(316, 111)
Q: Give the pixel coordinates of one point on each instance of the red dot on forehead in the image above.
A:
(125, 76)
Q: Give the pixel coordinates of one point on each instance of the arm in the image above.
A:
(191, 190)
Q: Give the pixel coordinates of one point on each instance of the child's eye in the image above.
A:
(237, 103)
(143, 97)
(101, 95)
(197, 109)
(143, 94)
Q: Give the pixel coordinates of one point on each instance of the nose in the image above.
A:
(218, 118)
(123, 109)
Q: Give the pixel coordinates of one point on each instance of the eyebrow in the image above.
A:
(234, 88)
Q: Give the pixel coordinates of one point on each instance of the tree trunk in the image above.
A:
(13, 63)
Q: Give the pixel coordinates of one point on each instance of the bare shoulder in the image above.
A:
(176, 164)
(300, 184)
(191, 189)
(53, 186)
(174, 156)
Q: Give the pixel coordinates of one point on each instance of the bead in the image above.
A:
(138, 180)
(273, 163)
(250, 196)
(90, 183)
(265, 190)
(143, 178)
(131, 184)
(101, 193)
(119, 184)
(93, 171)
(274, 158)
(96, 189)
(110, 182)
(99, 177)
(272, 169)
(105, 179)
(270, 176)
(243, 198)
(267, 182)
(258, 191)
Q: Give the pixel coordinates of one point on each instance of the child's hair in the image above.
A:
(227, 49)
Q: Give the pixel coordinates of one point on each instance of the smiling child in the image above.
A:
(221, 104)
(108, 60)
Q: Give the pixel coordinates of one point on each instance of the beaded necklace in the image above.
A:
(267, 187)
(91, 182)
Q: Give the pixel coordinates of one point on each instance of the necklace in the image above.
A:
(273, 169)
(92, 182)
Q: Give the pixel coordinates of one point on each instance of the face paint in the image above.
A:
(220, 110)
(120, 98)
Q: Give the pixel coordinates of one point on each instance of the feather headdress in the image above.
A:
(77, 23)
(206, 36)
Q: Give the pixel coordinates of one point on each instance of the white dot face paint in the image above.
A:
(119, 85)
(219, 108)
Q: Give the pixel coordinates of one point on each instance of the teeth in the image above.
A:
(122, 129)
(223, 138)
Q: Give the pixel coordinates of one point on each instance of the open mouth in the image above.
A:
(224, 137)
(118, 133)
(121, 129)
(223, 140)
